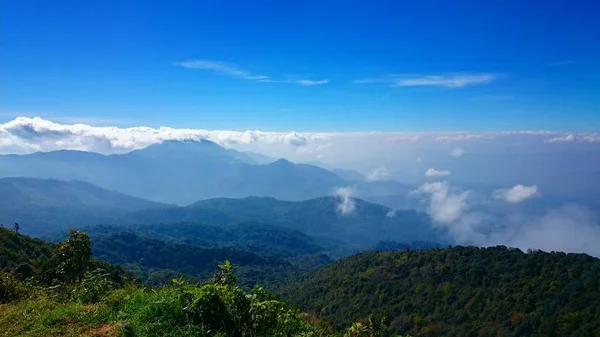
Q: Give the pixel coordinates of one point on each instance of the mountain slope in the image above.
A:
(248, 236)
(461, 291)
(317, 217)
(156, 262)
(43, 206)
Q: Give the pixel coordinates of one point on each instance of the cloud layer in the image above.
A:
(569, 228)
(24, 135)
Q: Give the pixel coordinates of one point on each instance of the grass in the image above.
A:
(44, 316)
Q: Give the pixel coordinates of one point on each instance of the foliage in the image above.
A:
(254, 237)
(458, 291)
(10, 287)
(30, 266)
(72, 256)
(219, 307)
(156, 262)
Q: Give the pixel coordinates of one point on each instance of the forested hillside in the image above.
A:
(156, 262)
(70, 294)
(319, 217)
(249, 236)
(460, 291)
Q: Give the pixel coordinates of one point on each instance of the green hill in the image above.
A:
(461, 291)
(82, 298)
(156, 262)
(249, 236)
(26, 257)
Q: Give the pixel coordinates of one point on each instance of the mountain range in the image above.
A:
(44, 206)
(178, 172)
(182, 172)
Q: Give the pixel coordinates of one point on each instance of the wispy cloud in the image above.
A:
(380, 173)
(311, 82)
(307, 83)
(451, 81)
(221, 67)
(457, 152)
(463, 137)
(346, 205)
(431, 172)
(234, 71)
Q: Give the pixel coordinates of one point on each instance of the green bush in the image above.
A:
(10, 288)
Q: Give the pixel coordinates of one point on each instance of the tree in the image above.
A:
(72, 256)
(17, 227)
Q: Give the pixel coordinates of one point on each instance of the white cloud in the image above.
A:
(23, 135)
(457, 152)
(562, 139)
(447, 81)
(380, 173)
(444, 206)
(346, 205)
(309, 83)
(304, 82)
(463, 137)
(452, 81)
(222, 67)
(233, 70)
(569, 228)
(431, 172)
(571, 138)
(516, 194)
(408, 138)
(391, 213)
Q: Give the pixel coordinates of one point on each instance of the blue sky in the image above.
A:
(307, 66)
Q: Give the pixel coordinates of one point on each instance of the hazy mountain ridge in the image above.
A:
(43, 206)
(178, 172)
(318, 217)
(183, 172)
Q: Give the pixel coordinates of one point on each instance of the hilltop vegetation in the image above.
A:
(85, 300)
(461, 291)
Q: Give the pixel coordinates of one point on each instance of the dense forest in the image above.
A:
(150, 258)
(460, 291)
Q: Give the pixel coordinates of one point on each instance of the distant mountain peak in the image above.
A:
(282, 161)
(201, 141)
